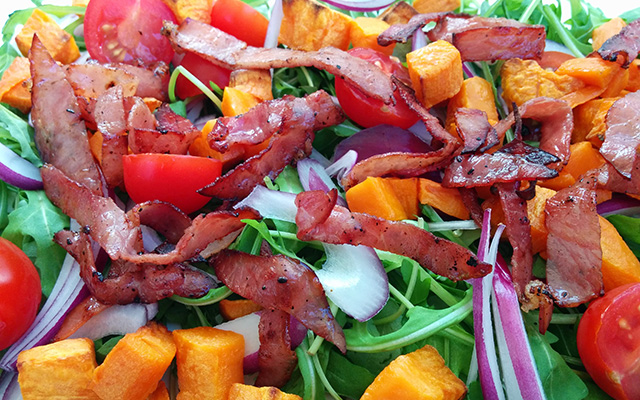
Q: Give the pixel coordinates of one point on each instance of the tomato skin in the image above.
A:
(127, 31)
(366, 111)
(205, 71)
(20, 293)
(609, 341)
(170, 178)
(239, 19)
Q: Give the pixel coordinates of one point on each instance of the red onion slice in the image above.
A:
(117, 320)
(419, 40)
(619, 204)
(343, 165)
(360, 5)
(9, 387)
(17, 171)
(273, 30)
(313, 176)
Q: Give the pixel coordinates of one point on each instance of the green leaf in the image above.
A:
(179, 108)
(631, 15)
(629, 229)
(103, 348)
(347, 378)
(16, 134)
(31, 227)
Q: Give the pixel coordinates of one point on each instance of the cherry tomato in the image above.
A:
(239, 19)
(203, 70)
(20, 293)
(366, 111)
(127, 30)
(171, 178)
(609, 341)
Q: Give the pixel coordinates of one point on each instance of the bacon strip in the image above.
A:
(153, 79)
(60, 134)
(129, 282)
(622, 137)
(475, 130)
(276, 360)
(227, 51)
(290, 142)
(625, 43)
(574, 265)
(172, 135)
(344, 227)
(278, 282)
(109, 114)
(477, 38)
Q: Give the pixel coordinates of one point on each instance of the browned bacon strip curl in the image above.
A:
(625, 43)
(281, 283)
(276, 360)
(622, 137)
(475, 130)
(344, 227)
(172, 135)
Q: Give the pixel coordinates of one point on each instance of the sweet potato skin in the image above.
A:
(60, 44)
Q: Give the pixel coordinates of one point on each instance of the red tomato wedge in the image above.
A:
(239, 19)
(366, 111)
(170, 178)
(20, 293)
(127, 30)
(609, 341)
(203, 70)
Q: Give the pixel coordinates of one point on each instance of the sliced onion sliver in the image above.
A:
(485, 349)
(271, 204)
(343, 165)
(9, 387)
(521, 378)
(313, 176)
(117, 320)
(351, 274)
(273, 30)
(622, 205)
(17, 171)
(360, 5)
(419, 40)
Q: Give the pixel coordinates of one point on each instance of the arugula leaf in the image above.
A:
(347, 378)
(16, 134)
(629, 229)
(631, 15)
(31, 227)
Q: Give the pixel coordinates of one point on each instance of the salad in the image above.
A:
(342, 210)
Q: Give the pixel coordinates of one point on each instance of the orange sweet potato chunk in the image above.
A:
(589, 120)
(209, 362)
(241, 391)
(474, 93)
(199, 10)
(447, 200)
(161, 392)
(60, 44)
(605, 31)
(436, 72)
(374, 196)
(419, 375)
(431, 6)
(633, 84)
(232, 309)
(236, 102)
(309, 25)
(399, 12)
(63, 367)
(256, 82)
(135, 365)
(15, 85)
(619, 265)
(365, 31)
(592, 71)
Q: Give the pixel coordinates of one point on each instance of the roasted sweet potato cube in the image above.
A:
(135, 365)
(365, 31)
(605, 31)
(431, 6)
(15, 85)
(474, 93)
(309, 25)
(209, 362)
(256, 82)
(58, 42)
(236, 102)
(436, 72)
(241, 391)
(398, 13)
(199, 10)
(63, 367)
(232, 309)
(161, 392)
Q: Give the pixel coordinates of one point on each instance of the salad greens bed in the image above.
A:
(423, 308)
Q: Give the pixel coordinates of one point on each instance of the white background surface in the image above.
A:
(610, 7)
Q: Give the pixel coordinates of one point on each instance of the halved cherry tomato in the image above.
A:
(366, 111)
(239, 19)
(169, 177)
(20, 293)
(609, 341)
(127, 30)
(203, 70)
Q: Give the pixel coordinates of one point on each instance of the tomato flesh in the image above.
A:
(366, 111)
(20, 293)
(127, 31)
(239, 19)
(205, 71)
(609, 341)
(171, 178)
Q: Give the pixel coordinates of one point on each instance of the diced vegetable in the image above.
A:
(634, 76)
(376, 196)
(591, 70)
(398, 13)
(418, 375)
(209, 362)
(309, 25)
(60, 44)
(365, 31)
(618, 83)
(436, 72)
(584, 157)
(475, 93)
(241, 391)
(135, 365)
(589, 120)
(236, 102)
(432, 6)
(15, 86)
(199, 10)
(447, 200)
(619, 265)
(605, 31)
(64, 367)
(256, 82)
(232, 309)
(161, 392)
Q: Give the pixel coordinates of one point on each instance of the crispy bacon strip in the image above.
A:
(153, 79)
(475, 130)
(278, 282)
(622, 137)
(290, 142)
(276, 360)
(60, 134)
(227, 51)
(164, 218)
(609, 178)
(574, 265)
(129, 282)
(477, 38)
(172, 135)
(109, 114)
(625, 43)
(344, 227)
(406, 164)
